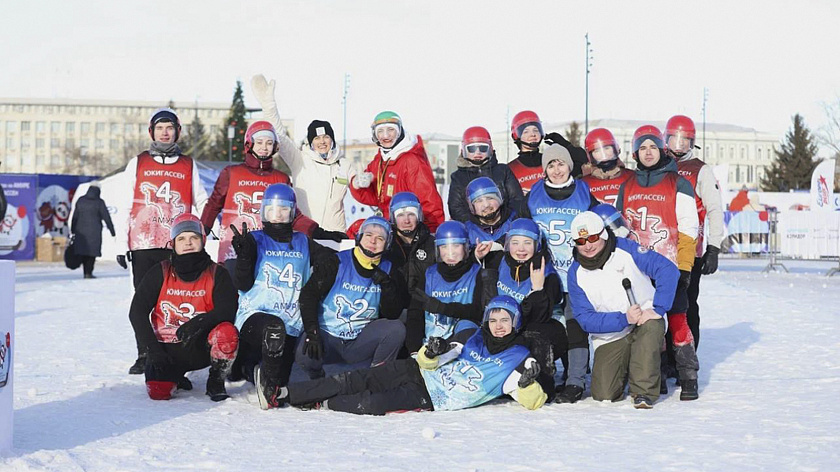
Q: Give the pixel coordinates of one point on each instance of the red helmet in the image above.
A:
(600, 139)
(522, 120)
(476, 144)
(682, 128)
(255, 128)
(646, 132)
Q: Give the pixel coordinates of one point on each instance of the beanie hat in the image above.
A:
(319, 128)
(555, 152)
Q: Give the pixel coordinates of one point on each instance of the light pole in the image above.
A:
(705, 99)
(588, 66)
(507, 135)
(231, 131)
(344, 104)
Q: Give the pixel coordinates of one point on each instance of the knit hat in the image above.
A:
(319, 128)
(555, 152)
(587, 223)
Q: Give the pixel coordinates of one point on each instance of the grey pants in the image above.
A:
(378, 342)
(634, 357)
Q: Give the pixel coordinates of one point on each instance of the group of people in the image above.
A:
(562, 246)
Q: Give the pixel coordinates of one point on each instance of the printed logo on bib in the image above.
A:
(461, 374)
(352, 312)
(249, 205)
(648, 224)
(173, 316)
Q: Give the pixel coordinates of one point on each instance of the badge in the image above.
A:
(421, 255)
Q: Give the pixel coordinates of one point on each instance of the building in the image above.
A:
(747, 152)
(93, 137)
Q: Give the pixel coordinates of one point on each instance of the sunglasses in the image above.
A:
(589, 239)
(478, 148)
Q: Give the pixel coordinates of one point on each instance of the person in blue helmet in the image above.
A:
(612, 219)
(413, 248)
(350, 305)
(524, 271)
(490, 215)
(451, 295)
(272, 266)
(553, 202)
(469, 369)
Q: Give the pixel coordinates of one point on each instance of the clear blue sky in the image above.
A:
(443, 66)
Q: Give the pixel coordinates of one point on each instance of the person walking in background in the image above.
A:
(86, 227)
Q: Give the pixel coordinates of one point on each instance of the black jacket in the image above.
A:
(413, 258)
(537, 306)
(459, 207)
(86, 224)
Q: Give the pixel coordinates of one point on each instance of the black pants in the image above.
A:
(251, 352)
(693, 313)
(547, 343)
(145, 259)
(183, 361)
(393, 386)
(88, 263)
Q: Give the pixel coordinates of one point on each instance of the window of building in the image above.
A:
(758, 153)
(100, 144)
(55, 160)
(70, 127)
(129, 128)
(55, 127)
(11, 126)
(40, 160)
(85, 127)
(731, 152)
(115, 128)
(737, 174)
(24, 126)
(26, 159)
(40, 126)
(39, 143)
(10, 143)
(24, 143)
(55, 143)
(84, 143)
(743, 153)
(141, 128)
(69, 143)
(100, 127)
(114, 144)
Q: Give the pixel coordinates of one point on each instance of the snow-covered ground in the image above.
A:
(769, 380)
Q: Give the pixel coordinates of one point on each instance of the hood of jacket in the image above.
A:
(252, 162)
(652, 176)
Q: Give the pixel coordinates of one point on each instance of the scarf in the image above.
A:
(164, 149)
(365, 261)
(496, 345)
(189, 267)
(598, 261)
(280, 232)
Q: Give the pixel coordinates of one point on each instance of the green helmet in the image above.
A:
(383, 118)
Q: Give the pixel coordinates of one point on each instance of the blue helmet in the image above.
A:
(524, 227)
(480, 187)
(504, 302)
(372, 222)
(405, 200)
(277, 196)
(612, 218)
(451, 232)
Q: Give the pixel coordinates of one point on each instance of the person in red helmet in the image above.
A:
(658, 206)
(239, 189)
(608, 172)
(182, 314)
(400, 165)
(527, 132)
(679, 144)
(164, 185)
(478, 159)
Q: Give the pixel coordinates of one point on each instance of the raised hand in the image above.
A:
(538, 275)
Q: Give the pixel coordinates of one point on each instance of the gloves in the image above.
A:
(158, 359)
(121, 260)
(321, 233)
(529, 375)
(430, 304)
(685, 279)
(194, 330)
(263, 90)
(436, 346)
(380, 277)
(241, 243)
(556, 138)
(363, 180)
(710, 260)
(312, 345)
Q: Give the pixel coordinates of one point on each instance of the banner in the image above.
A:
(55, 192)
(745, 232)
(17, 229)
(822, 186)
(809, 234)
(7, 348)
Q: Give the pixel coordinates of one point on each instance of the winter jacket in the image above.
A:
(406, 171)
(537, 306)
(86, 225)
(459, 207)
(599, 301)
(709, 203)
(413, 258)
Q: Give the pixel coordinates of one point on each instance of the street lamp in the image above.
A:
(231, 131)
(705, 99)
(589, 51)
(344, 104)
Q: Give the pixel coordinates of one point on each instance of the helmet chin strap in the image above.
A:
(533, 146)
(408, 233)
(371, 254)
(607, 165)
(261, 158)
(491, 216)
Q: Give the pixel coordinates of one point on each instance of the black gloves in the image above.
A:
(529, 375)
(380, 277)
(710, 260)
(195, 330)
(122, 260)
(685, 279)
(556, 138)
(436, 346)
(321, 233)
(242, 244)
(430, 304)
(312, 344)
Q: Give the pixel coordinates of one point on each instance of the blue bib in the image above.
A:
(475, 377)
(476, 232)
(555, 220)
(459, 291)
(353, 300)
(506, 285)
(282, 269)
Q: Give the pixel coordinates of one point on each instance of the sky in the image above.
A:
(442, 65)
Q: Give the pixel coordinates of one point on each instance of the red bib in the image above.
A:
(527, 176)
(651, 215)
(690, 170)
(162, 192)
(606, 190)
(179, 301)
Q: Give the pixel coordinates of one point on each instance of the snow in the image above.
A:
(769, 384)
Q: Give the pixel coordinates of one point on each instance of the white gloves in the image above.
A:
(363, 180)
(264, 91)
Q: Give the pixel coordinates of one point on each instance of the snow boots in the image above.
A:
(219, 369)
(266, 374)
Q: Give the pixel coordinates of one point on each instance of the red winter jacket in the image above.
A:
(408, 172)
(301, 223)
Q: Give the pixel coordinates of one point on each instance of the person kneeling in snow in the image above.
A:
(470, 369)
(611, 288)
(183, 312)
